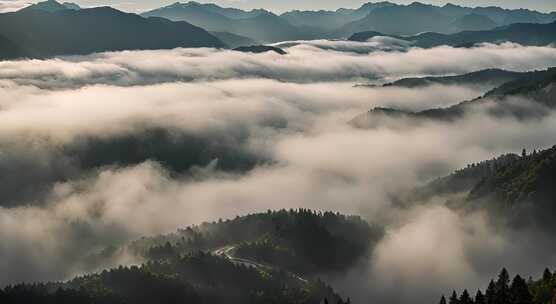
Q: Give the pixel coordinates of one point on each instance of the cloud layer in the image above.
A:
(96, 151)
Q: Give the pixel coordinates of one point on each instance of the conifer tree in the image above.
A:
(519, 291)
(479, 298)
(490, 294)
(442, 300)
(465, 298)
(454, 298)
(502, 288)
(546, 276)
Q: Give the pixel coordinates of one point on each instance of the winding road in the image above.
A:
(227, 252)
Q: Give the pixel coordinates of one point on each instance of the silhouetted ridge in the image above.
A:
(40, 33)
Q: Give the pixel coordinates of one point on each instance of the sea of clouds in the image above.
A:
(99, 150)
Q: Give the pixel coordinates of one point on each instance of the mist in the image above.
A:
(252, 132)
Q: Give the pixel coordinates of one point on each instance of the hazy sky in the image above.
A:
(284, 5)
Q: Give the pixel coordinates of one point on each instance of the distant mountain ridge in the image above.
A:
(539, 87)
(523, 33)
(39, 33)
(258, 25)
(52, 6)
(383, 17)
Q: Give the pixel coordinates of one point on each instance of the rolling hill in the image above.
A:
(522, 33)
(37, 33)
(538, 87)
(194, 265)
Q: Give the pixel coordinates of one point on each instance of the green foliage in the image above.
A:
(194, 278)
(302, 241)
(519, 291)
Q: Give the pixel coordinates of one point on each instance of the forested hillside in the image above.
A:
(193, 278)
(506, 291)
(301, 241)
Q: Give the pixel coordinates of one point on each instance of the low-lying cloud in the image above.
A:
(98, 150)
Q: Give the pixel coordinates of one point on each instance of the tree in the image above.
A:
(491, 293)
(519, 292)
(523, 153)
(465, 298)
(479, 298)
(454, 298)
(442, 300)
(546, 276)
(502, 288)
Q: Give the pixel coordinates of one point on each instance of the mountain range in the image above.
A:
(383, 17)
(536, 34)
(50, 29)
(538, 88)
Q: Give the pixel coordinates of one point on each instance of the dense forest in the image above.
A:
(272, 257)
(516, 291)
(193, 278)
(302, 241)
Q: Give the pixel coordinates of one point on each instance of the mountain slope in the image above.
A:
(260, 25)
(40, 34)
(416, 18)
(491, 77)
(295, 240)
(538, 88)
(522, 33)
(233, 40)
(51, 6)
(187, 267)
(473, 22)
(193, 279)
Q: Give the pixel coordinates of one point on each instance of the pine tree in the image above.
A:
(442, 300)
(465, 298)
(502, 288)
(454, 298)
(479, 298)
(519, 292)
(546, 276)
(490, 295)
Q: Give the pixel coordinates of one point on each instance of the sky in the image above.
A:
(280, 6)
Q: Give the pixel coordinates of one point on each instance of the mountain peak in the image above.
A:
(48, 6)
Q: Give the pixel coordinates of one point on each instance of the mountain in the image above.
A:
(522, 33)
(455, 11)
(505, 16)
(194, 279)
(537, 87)
(38, 33)
(473, 22)
(260, 49)
(293, 240)
(52, 6)
(259, 25)
(233, 40)
(490, 78)
(8, 49)
(529, 179)
(329, 20)
(417, 18)
(71, 5)
(271, 257)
